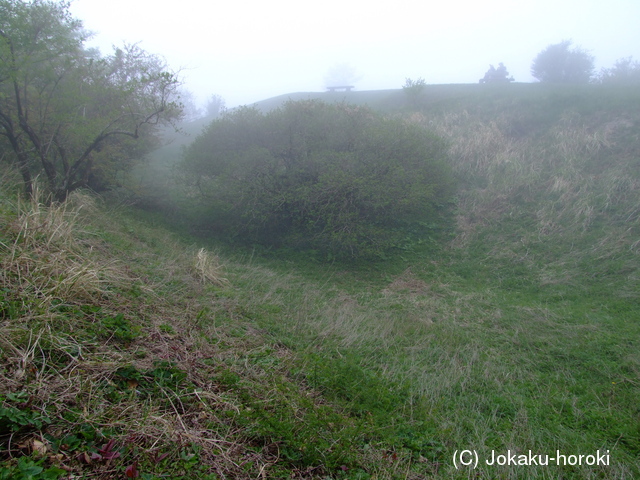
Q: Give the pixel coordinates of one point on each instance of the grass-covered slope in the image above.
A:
(124, 346)
(127, 352)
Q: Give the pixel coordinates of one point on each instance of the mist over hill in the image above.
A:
(563, 159)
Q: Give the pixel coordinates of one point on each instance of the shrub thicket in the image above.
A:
(339, 179)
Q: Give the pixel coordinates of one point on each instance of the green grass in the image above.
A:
(485, 368)
(517, 329)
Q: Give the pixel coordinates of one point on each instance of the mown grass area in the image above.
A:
(516, 330)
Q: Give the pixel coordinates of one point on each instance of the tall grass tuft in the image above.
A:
(209, 269)
(556, 182)
(44, 259)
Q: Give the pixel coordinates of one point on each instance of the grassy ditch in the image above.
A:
(127, 353)
(130, 351)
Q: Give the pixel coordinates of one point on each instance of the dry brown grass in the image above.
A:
(564, 175)
(208, 268)
(64, 280)
(46, 260)
(50, 268)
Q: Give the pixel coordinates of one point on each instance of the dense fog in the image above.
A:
(253, 50)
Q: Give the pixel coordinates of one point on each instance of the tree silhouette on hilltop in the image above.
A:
(497, 75)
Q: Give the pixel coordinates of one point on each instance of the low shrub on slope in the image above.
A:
(338, 179)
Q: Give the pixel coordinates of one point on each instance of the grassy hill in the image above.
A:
(129, 345)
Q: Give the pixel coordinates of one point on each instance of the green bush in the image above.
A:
(18, 418)
(28, 469)
(339, 179)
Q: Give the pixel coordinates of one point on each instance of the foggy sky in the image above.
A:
(246, 51)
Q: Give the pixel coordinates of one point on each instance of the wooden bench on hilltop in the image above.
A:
(346, 88)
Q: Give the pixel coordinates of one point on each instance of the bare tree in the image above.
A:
(62, 106)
